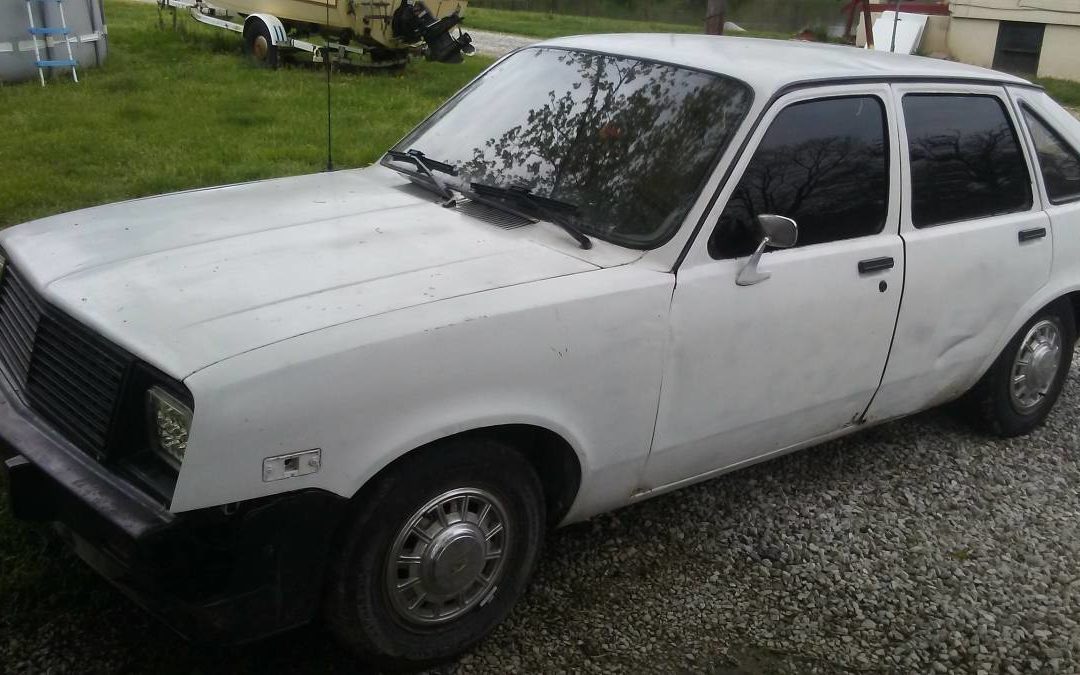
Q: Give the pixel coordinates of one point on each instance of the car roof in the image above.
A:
(769, 65)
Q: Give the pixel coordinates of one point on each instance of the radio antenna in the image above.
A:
(326, 57)
(895, 20)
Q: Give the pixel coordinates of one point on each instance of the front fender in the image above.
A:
(580, 355)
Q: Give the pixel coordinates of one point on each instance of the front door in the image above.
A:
(754, 369)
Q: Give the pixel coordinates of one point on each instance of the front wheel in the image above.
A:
(1017, 393)
(437, 554)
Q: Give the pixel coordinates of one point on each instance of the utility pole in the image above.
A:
(714, 17)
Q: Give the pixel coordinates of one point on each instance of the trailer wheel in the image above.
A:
(391, 61)
(259, 44)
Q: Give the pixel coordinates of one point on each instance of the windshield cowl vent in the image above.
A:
(496, 217)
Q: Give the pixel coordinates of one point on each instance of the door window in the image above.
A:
(966, 160)
(1059, 163)
(823, 163)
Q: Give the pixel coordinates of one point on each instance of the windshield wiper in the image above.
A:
(555, 208)
(426, 166)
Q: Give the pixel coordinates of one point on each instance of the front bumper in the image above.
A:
(224, 575)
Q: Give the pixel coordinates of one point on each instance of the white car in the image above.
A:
(609, 267)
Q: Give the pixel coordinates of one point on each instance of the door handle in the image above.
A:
(1033, 233)
(875, 265)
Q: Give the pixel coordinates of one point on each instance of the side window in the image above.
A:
(966, 160)
(1059, 163)
(823, 163)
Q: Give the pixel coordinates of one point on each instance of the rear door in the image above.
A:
(977, 242)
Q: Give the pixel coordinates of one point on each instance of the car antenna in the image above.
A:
(326, 57)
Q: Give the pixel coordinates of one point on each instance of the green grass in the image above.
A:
(180, 109)
(1066, 92)
(545, 25)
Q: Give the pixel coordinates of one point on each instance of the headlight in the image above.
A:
(170, 421)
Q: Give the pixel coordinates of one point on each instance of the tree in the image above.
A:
(714, 17)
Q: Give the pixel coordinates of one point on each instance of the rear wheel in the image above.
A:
(437, 554)
(259, 44)
(1017, 393)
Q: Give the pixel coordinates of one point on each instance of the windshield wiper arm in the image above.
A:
(426, 166)
(522, 195)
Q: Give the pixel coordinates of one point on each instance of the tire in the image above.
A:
(259, 44)
(1011, 409)
(388, 61)
(382, 626)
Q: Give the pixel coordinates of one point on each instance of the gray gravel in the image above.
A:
(921, 546)
(497, 44)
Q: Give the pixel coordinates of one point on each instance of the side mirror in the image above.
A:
(780, 231)
(777, 232)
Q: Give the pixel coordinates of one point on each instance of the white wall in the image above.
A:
(1060, 55)
(973, 40)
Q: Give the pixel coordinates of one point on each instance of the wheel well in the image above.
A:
(553, 459)
(251, 24)
(1074, 301)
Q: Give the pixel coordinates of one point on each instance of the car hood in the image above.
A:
(188, 279)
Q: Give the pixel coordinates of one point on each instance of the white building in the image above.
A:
(1028, 37)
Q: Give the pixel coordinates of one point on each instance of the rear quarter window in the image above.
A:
(1058, 162)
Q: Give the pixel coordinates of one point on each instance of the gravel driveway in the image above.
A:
(916, 547)
(497, 44)
(920, 546)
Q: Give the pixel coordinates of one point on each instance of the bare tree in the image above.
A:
(714, 17)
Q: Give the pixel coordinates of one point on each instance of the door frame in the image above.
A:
(697, 250)
(996, 90)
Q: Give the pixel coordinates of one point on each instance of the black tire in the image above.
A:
(358, 606)
(259, 44)
(991, 401)
(387, 61)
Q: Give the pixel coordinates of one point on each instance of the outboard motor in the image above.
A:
(413, 22)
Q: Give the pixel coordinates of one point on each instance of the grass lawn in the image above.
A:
(175, 110)
(1066, 92)
(545, 25)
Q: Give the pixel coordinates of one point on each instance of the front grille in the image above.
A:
(66, 373)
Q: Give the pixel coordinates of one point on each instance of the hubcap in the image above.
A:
(1036, 366)
(260, 47)
(448, 556)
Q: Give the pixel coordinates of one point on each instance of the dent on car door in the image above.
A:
(978, 245)
(758, 368)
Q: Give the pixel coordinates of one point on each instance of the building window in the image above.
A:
(1018, 47)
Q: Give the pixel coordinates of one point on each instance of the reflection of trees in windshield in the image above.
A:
(629, 141)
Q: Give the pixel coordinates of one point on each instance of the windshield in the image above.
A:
(627, 142)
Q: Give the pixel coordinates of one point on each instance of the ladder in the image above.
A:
(45, 32)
